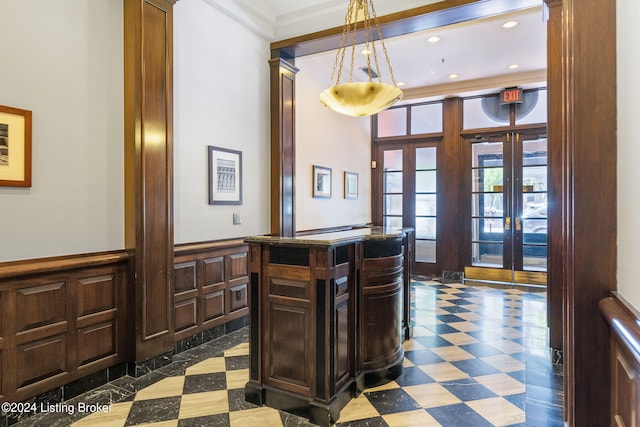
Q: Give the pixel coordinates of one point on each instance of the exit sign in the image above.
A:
(511, 95)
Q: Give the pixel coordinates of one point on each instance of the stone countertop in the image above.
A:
(332, 238)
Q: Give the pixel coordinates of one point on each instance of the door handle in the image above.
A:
(507, 223)
(518, 224)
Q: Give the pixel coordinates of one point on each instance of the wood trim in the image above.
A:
(554, 184)
(405, 22)
(449, 191)
(283, 166)
(625, 360)
(589, 203)
(331, 229)
(187, 248)
(13, 269)
(148, 65)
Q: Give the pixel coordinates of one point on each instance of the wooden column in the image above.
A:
(148, 34)
(555, 201)
(282, 147)
(449, 192)
(587, 112)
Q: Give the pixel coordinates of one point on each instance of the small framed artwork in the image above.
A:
(350, 185)
(15, 147)
(321, 182)
(225, 176)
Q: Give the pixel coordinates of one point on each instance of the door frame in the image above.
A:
(408, 147)
(583, 153)
(512, 270)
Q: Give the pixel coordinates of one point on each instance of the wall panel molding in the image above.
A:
(63, 318)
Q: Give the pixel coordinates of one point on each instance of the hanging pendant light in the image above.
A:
(360, 98)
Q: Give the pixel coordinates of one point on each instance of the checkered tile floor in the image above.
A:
(479, 357)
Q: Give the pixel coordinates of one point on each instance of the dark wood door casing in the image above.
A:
(582, 141)
(584, 70)
(149, 170)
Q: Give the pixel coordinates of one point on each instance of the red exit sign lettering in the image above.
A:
(511, 96)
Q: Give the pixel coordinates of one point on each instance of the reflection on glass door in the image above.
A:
(509, 209)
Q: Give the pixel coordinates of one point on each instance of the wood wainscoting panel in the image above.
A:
(237, 297)
(213, 270)
(96, 294)
(62, 318)
(213, 305)
(186, 314)
(185, 279)
(96, 342)
(41, 359)
(39, 306)
(624, 324)
(210, 285)
(237, 266)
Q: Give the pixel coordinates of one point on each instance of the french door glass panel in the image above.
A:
(426, 204)
(534, 204)
(416, 204)
(487, 204)
(392, 188)
(509, 203)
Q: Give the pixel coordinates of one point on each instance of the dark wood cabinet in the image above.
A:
(325, 319)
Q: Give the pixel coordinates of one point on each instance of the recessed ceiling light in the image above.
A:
(514, 66)
(453, 76)
(366, 51)
(400, 84)
(433, 39)
(509, 24)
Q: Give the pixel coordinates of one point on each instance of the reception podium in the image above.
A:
(326, 318)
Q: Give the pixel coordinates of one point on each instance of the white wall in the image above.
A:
(628, 70)
(329, 139)
(65, 63)
(221, 98)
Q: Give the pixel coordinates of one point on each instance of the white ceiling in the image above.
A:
(479, 51)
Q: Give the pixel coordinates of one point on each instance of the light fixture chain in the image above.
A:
(361, 98)
(338, 64)
(384, 48)
(373, 43)
(354, 38)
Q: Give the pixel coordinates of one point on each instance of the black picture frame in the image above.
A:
(225, 176)
(321, 182)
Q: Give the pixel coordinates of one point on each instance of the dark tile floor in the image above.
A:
(479, 357)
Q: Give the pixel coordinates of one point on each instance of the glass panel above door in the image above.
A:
(392, 122)
(426, 118)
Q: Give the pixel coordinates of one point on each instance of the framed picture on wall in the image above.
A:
(321, 182)
(225, 176)
(350, 185)
(15, 147)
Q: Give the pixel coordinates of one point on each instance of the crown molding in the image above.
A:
(254, 16)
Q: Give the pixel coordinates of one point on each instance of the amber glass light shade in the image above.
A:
(360, 98)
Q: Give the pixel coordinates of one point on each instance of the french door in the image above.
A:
(506, 215)
(408, 177)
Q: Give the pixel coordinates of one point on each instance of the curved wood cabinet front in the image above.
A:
(381, 306)
(325, 319)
